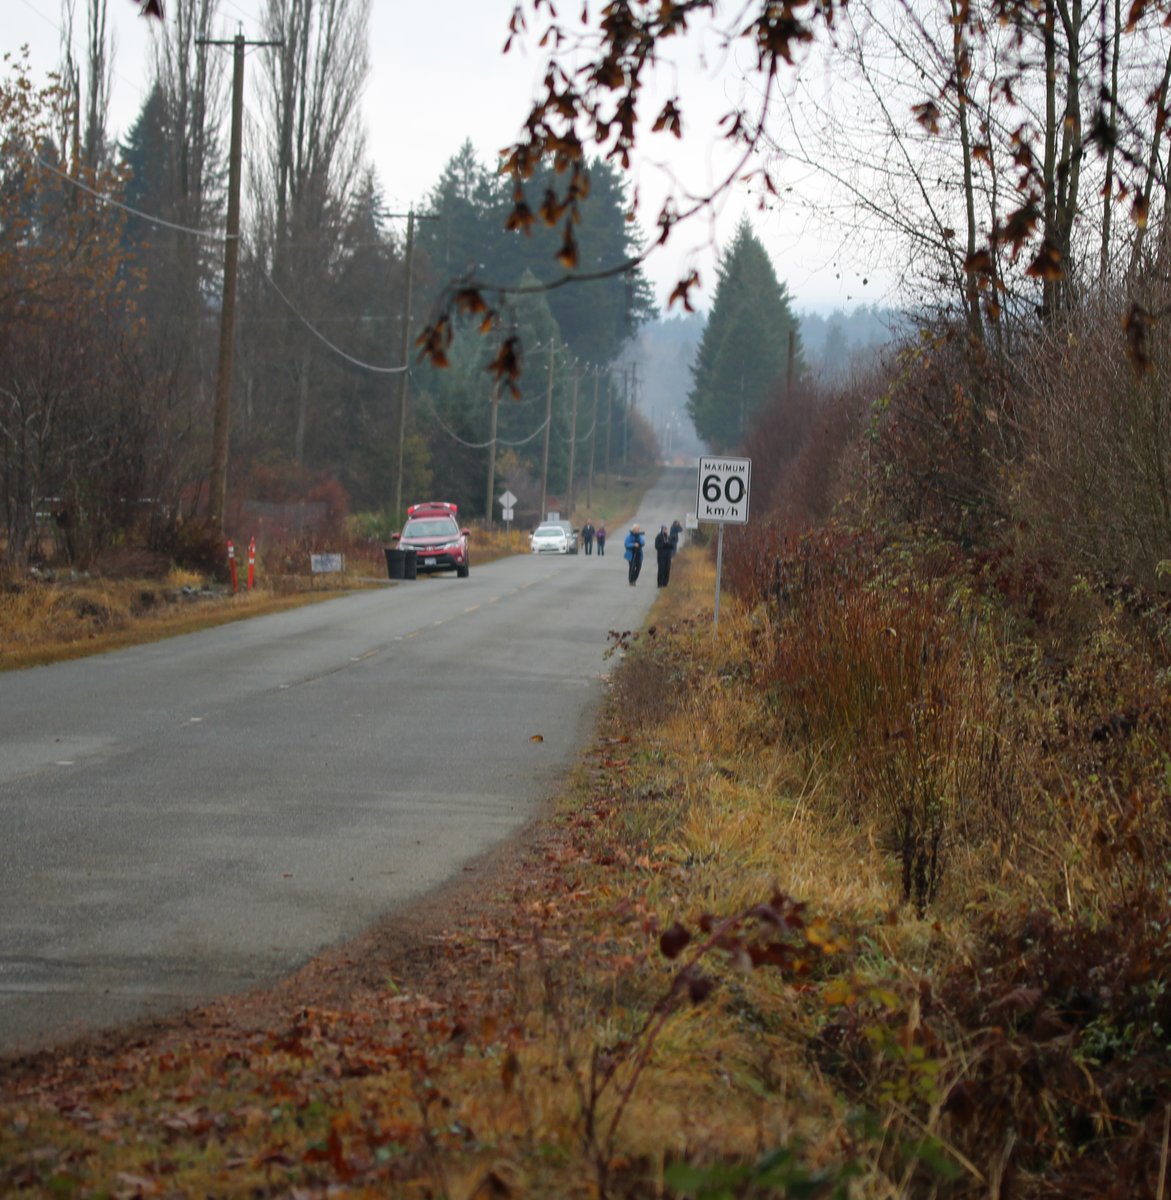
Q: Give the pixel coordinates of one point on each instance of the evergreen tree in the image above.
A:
(595, 317)
(745, 346)
(353, 433)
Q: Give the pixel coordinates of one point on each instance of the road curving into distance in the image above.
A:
(200, 816)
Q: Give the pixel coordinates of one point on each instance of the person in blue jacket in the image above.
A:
(635, 544)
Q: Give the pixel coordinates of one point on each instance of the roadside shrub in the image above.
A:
(1095, 486)
(940, 439)
(893, 674)
(1067, 1051)
(198, 545)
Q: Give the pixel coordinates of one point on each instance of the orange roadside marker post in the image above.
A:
(251, 563)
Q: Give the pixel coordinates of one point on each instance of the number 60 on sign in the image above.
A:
(723, 490)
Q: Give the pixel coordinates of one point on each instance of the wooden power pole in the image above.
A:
(548, 427)
(218, 478)
(492, 453)
(572, 443)
(405, 348)
(593, 444)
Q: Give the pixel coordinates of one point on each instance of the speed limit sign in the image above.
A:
(723, 490)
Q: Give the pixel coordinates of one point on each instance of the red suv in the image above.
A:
(433, 533)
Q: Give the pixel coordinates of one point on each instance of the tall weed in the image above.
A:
(893, 675)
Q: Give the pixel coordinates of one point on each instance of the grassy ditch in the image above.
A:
(50, 621)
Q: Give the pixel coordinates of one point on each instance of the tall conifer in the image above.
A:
(744, 353)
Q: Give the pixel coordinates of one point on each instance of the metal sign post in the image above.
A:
(506, 502)
(722, 496)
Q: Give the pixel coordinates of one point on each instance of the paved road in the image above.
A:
(193, 818)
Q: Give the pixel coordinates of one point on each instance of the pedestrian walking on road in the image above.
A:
(664, 550)
(676, 532)
(601, 536)
(587, 536)
(635, 543)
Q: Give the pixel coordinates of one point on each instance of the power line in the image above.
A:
(357, 362)
(477, 445)
(105, 198)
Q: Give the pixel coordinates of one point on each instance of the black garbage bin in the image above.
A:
(410, 564)
(396, 563)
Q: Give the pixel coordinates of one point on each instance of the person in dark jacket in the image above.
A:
(635, 544)
(601, 539)
(587, 536)
(676, 532)
(664, 550)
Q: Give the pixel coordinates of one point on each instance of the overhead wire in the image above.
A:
(357, 362)
(216, 235)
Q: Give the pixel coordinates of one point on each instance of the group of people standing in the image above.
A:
(666, 544)
(589, 534)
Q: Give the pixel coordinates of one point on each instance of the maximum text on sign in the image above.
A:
(722, 493)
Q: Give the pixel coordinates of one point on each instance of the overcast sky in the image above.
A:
(438, 77)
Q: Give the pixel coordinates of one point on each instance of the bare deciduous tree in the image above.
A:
(311, 159)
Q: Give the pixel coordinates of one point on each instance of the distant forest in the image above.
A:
(832, 345)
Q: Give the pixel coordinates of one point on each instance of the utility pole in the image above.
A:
(402, 379)
(412, 216)
(548, 426)
(626, 399)
(573, 439)
(593, 444)
(609, 416)
(405, 343)
(492, 452)
(218, 478)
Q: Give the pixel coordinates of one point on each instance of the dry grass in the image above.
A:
(43, 623)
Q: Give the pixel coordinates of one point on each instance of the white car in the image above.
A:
(550, 539)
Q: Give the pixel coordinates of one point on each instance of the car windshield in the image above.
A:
(546, 531)
(431, 527)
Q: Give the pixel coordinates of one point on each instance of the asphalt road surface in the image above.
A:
(193, 818)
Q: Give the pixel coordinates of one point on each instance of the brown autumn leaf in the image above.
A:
(537, 737)
(434, 341)
(470, 300)
(669, 119)
(1046, 264)
(1020, 226)
(682, 292)
(927, 114)
(505, 364)
(552, 208)
(674, 941)
(567, 255)
(699, 987)
(521, 219)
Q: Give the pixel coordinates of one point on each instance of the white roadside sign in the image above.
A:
(722, 497)
(722, 492)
